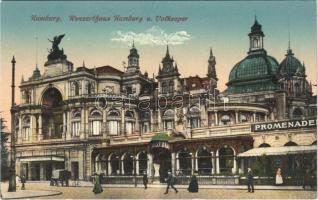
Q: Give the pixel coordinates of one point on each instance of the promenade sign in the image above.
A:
(293, 124)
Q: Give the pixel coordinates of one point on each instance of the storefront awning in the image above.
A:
(41, 158)
(161, 137)
(272, 151)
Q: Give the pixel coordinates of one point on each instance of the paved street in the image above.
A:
(157, 193)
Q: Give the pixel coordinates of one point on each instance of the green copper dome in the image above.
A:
(291, 65)
(256, 72)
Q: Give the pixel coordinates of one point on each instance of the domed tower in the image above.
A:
(257, 71)
(292, 80)
(133, 60)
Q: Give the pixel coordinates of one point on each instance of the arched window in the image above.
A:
(204, 159)
(185, 162)
(226, 159)
(95, 122)
(128, 162)
(76, 123)
(297, 113)
(290, 143)
(129, 122)
(264, 145)
(164, 88)
(26, 130)
(225, 119)
(171, 87)
(113, 120)
(115, 164)
(76, 88)
(255, 43)
(90, 88)
(145, 122)
(297, 90)
(168, 119)
(142, 161)
(194, 117)
(243, 118)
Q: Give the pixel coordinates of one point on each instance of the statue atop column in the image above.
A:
(55, 53)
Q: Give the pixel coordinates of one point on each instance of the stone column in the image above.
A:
(32, 127)
(236, 117)
(137, 165)
(82, 131)
(217, 163)
(20, 130)
(104, 129)
(173, 163)
(122, 128)
(160, 127)
(193, 167)
(177, 163)
(87, 131)
(254, 117)
(151, 121)
(64, 125)
(40, 136)
(69, 125)
(234, 169)
(216, 118)
(42, 171)
(136, 128)
(266, 117)
(29, 170)
(214, 163)
(149, 165)
(204, 117)
(109, 168)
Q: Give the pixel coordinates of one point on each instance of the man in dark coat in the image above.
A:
(250, 182)
(145, 179)
(170, 182)
(23, 180)
(193, 186)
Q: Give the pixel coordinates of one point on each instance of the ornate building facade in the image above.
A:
(124, 123)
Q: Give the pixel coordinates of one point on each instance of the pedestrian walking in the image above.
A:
(145, 179)
(170, 183)
(279, 178)
(97, 186)
(193, 186)
(23, 180)
(250, 181)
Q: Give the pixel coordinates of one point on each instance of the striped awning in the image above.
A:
(272, 151)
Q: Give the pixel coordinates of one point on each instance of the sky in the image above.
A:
(220, 25)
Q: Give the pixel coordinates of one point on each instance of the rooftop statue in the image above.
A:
(55, 53)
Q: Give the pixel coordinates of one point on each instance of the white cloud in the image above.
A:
(153, 36)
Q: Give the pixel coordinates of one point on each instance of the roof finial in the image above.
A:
(36, 52)
(83, 63)
(255, 18)
(167, 53)
(211, 53)
(133, 44)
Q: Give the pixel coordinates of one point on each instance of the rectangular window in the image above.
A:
(129, 128)
(113, 127)
(26, 133)
(145, 127)
(168, 125)
(76, 128)
(95, 127)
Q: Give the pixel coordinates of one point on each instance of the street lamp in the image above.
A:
(12, 183)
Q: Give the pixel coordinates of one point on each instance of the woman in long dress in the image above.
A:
(193, 186)
(279, 178)
(97, 186)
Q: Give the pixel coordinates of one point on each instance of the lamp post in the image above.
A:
(12, 183)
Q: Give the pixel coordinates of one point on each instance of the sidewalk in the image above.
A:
(161, 185)
(19, 194)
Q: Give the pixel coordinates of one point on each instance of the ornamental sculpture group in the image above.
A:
(55, 53)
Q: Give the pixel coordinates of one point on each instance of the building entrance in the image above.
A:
(162, 157)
